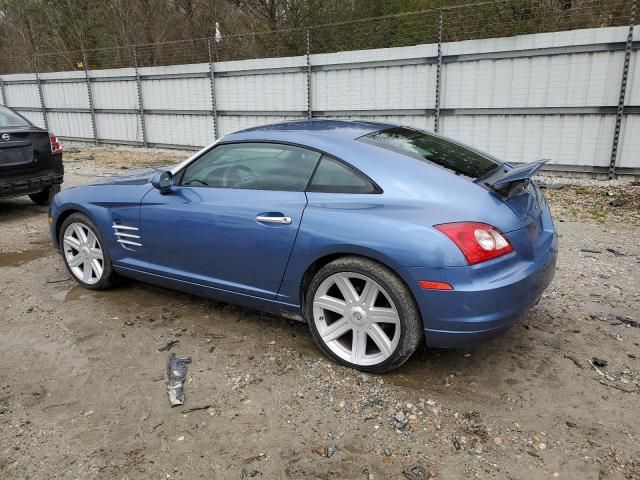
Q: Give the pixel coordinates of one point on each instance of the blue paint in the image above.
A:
(206, 241)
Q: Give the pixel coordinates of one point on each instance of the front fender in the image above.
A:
(104, 205)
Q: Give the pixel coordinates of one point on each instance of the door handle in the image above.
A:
(280, 219)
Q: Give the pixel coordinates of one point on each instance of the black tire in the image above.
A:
(109, 277)
(45, 196)
(411, 328)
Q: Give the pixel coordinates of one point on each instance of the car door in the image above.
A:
(231, 220)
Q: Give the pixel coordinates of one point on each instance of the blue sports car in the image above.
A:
(379, 236)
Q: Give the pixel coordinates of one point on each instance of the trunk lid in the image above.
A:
(508, 180)
(516, 188)
(22, 148)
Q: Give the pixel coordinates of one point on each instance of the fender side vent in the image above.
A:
(127, 235)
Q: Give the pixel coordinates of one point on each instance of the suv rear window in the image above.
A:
(431, 148)
(10, 119)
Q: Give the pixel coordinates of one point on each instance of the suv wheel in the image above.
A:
(45, 196)
(362, 315)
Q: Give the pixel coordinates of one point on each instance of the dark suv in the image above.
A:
(30, 159)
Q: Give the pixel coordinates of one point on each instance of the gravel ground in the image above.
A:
(83, 388)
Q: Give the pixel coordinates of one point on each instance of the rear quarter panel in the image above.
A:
(395, 227)
(398, 235)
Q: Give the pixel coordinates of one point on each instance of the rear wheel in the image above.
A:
(45, 196)
(362, 315)
(83, 253)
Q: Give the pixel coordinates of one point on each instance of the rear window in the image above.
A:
(10, 119)
(430, 148)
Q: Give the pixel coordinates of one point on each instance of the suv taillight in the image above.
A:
(55, 144)
(478, 242)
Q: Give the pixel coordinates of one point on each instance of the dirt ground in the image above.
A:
(83, 386)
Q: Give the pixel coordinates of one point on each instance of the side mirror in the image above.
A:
(163, 181)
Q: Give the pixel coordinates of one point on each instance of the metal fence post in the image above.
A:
(436, 119)
(140, 99)
(623, 91)
(3, 94)
(214, 108)
(42, 104)
(85, 64)
(309, 106)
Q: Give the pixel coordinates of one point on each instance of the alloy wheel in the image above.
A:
(83, 253)
(356, 318)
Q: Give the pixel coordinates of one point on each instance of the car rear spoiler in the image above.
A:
(509, 182)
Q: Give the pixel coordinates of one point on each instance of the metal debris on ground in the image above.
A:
(618, 202)
(616, 320)
(59, 280)
(600, 372)
(616, 253)
(196, 409)
(215, 335)
(599, 362)
(416, 472)
(169, 345)
(259, 456)
(628, 321)
(176, 373)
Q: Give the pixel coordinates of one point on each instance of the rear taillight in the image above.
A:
(430, 285)
(478, 242)
(55, 144)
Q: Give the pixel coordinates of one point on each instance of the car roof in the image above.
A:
(344, 129)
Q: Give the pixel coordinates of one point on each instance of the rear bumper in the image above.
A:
(16, 187)
(483, 304)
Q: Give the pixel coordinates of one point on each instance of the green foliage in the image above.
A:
(58, 31)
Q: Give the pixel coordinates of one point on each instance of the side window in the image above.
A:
(333, 176)
(256, 166)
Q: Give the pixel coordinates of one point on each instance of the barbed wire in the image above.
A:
(477, 20)
(509, 18)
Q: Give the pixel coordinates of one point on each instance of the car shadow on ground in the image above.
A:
(20, 207)
(434, 368)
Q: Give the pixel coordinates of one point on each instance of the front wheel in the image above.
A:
(84, 254)
(45, 196)
(362, 315)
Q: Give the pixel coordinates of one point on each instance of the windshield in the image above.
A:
(431, 148)
(11, 119)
